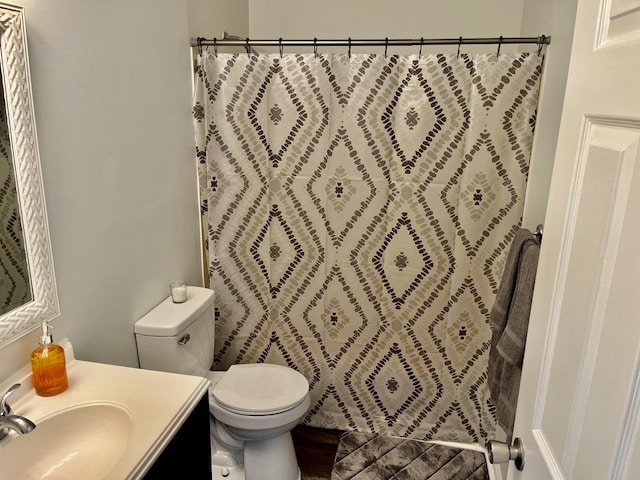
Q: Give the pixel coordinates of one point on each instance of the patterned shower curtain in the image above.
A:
(358, 210)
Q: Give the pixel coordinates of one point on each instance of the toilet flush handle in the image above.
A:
(184, 340)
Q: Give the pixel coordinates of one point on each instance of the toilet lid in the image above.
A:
(260, 389)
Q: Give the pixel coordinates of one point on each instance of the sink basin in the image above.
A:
(85, 441)
(112, 423)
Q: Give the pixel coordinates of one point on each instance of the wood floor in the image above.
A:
(316, 450)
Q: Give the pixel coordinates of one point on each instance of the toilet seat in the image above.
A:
(260, 389)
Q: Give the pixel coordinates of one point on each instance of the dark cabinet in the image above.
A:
(188, 455)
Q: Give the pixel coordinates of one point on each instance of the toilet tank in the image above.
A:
(178, 337)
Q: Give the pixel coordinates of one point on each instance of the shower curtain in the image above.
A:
(358, 209)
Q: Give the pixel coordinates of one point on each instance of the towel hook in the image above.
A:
(539, 232)
(315, 47)
(459, 45)
(499, 45)
(386, 45)
(280, 46)
(349, 51)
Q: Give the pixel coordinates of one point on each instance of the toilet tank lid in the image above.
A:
(169, 319)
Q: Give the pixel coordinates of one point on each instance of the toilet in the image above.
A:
(253, 406)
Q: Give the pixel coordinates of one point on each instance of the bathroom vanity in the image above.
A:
(112, 422)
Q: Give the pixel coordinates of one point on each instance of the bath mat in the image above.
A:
(365, 456)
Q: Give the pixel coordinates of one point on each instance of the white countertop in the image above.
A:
(159, 403)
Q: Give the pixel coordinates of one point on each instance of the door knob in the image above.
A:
(500, 452)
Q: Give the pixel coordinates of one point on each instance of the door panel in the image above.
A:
(605, 168)
(578, 410)
(621, 19)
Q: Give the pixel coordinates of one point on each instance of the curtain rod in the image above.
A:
(353, 42)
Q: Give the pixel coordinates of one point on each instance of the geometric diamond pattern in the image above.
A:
(285, 252)
(413, 118)
(393, 377)
(478, 197)
(358, 210)
(404, 236)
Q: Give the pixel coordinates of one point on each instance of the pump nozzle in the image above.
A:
(46, 338)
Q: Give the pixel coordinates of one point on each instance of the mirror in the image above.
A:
(15, 288)
(29, 232)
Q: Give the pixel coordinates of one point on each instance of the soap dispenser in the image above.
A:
(48, 366)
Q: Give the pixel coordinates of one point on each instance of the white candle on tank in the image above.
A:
(178, 292)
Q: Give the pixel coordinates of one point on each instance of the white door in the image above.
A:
(578, 409)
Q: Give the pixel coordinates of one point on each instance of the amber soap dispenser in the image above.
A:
(48, 366)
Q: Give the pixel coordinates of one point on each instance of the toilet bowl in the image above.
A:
(253, 406)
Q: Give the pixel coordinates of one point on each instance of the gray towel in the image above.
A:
(509, 320)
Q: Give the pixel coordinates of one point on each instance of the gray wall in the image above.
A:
(112, 95)
(556, 19)
(384, 18)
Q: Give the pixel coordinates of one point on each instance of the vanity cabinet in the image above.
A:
(188, 454)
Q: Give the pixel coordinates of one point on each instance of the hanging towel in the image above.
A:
(509, 321)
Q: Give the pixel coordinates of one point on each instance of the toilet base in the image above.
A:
(270, 459)
(228, 473)
(233, 473)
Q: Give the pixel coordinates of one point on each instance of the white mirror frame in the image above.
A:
(26, 162)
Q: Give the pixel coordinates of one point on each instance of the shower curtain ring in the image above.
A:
(459, 45)
(315, 47)
(421, 43)
(246, 46)
(499, 45)
(280, 46)
(541, 41)
(199, 40)
(386, 45)
(349, 51)
(215, 46)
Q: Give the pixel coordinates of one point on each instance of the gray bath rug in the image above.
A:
(365, 456)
